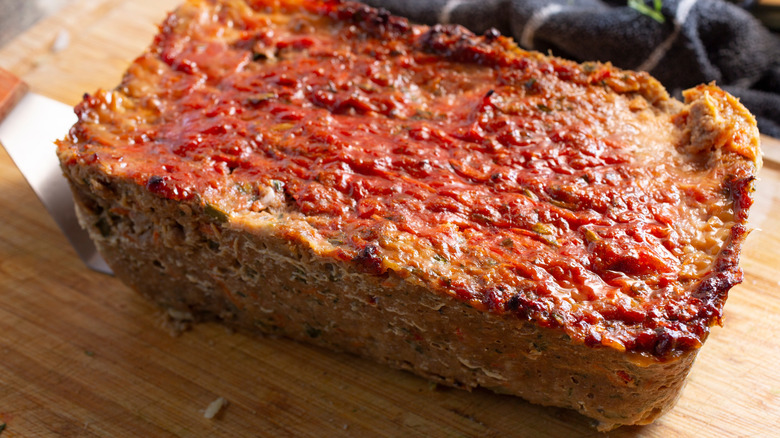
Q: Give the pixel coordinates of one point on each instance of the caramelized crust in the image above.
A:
(578, 201)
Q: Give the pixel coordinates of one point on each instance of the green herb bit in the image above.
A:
(245, 188)
(591, 235)
(277, 185)
(546, 232)
(104, 227)
(544, 108)
(422, 114)
(636, 289)
(440, 258)
(541, 228)
(489, 261)
(654, 12)
(481, 218)
(260, 98)
(507, 242)
(530, 194)
(283, 127)
(299, 275)
(561, 204)
(368, 88)
(215, 213)
(312, 331)
(530, 83)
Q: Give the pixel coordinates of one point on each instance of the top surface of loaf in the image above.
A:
(580, 197)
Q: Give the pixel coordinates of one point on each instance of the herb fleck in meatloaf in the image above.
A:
(438, 201)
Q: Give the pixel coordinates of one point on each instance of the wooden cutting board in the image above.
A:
(82, 355)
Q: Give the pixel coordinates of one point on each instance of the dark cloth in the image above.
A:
(699, 41)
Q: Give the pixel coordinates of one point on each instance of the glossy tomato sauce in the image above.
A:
(516, 182)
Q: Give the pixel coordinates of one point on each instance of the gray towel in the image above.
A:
(682, 43)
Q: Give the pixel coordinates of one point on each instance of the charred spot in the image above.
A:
(644, 341)
(369, 260)
(161, 186)
(376, 22)
(460, 45)
(513, 303)
(359, 15)
(443, 39)
(491, 34)
(740, 191)
(665, 342)
(524, 305)
(381, 17)
(713, 288)
(156, 184)
(711, 294)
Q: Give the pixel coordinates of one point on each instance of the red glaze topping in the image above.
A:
(519, 183)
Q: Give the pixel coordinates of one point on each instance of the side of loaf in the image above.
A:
(258, 281)
(438, 201)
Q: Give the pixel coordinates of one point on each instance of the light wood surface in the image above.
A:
(82, 355)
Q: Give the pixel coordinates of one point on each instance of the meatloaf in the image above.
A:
(442, 202)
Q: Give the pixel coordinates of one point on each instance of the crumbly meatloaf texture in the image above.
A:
(439, 201)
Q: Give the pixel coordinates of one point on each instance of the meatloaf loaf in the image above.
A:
(439, 201)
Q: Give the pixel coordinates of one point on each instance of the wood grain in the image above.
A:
(82, 355)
